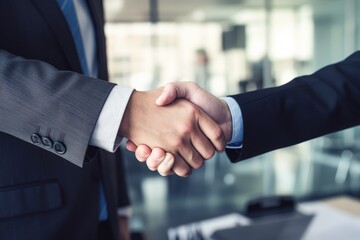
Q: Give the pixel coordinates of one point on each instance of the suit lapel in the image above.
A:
(58, 25)
(107, 159)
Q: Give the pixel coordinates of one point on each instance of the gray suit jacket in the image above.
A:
(49, 176)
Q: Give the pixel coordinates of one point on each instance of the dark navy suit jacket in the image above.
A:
(305, 108)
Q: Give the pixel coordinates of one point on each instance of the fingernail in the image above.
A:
(143, 154)
(158, 156)
(167, 160)
(159, 100)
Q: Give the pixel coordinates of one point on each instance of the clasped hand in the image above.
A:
(176, 128)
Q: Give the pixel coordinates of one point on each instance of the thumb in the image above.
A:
(173, 91)
(131, 146)
(167, 96)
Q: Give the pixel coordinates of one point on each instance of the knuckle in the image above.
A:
(184, 172)
(139, 156)
(190, 109)
(187, 128)
(209, 154)
(163, 171)
(192, 85)
(218, 133)
(171, 158)
(198, 164)
(164, 174)
(193, 110)
(178, 143)
(151, 164)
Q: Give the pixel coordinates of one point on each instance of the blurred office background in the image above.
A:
(231, 46)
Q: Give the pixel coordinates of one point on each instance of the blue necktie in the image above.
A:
(68, 9)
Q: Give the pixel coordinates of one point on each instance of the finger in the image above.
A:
(165, 167)
(202, 144)
(176, 90)
(168, 95)
(191, 155)
(130, 146)
(212, 131)
(142, 153)
(173, 91)
(181, 168)
(156, 157)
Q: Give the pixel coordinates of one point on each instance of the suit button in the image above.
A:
(59, 148)
(36, 139)
(46, 142)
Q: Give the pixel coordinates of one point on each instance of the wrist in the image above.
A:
(226, 125)
(125, 124)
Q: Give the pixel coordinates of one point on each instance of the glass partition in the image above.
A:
(256, 45)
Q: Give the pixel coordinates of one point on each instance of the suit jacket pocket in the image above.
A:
(28, 199)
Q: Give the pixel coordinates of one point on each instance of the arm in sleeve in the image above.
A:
(305, 108)
(36, 98)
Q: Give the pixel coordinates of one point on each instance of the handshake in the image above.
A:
(174, 129)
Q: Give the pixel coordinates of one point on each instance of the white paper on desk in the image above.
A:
(330, 223)
(207, 227)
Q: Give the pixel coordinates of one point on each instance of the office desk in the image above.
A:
(345, 203)
(332, 219)
(335, 218)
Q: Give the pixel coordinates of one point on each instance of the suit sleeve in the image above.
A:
(305, 108)
(63, 107)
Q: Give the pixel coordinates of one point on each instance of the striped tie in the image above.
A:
(68, 9)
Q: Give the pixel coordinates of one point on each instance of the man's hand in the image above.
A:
(157, 158)
(213, 106)
(180, 128)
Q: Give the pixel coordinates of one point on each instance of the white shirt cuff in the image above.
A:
(106, 129)
(237, 123)
(124, 211)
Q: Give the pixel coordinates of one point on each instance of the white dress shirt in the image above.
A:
(237, 123)
(105, 133)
